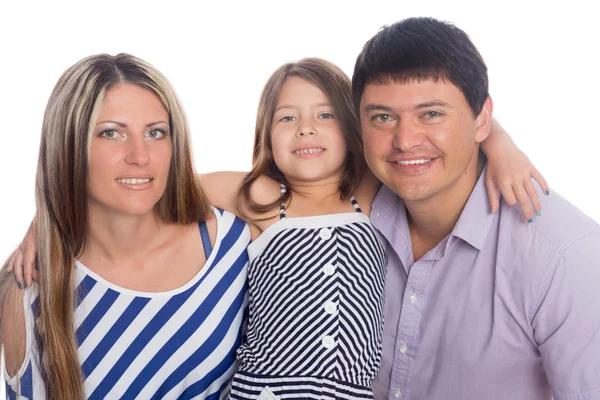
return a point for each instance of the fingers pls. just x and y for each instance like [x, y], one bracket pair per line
[493, 195]
[508, 194]
[9, 264]
[533, 196]
[535, 174]
[29, 263]
[17, 267]
[36, 275]
[524, 202]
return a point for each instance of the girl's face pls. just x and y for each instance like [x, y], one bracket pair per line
[306, 138]
[130, 152]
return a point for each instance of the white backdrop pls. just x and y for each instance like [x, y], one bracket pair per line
[542, 58]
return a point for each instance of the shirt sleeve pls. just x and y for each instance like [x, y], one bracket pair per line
[567, 322]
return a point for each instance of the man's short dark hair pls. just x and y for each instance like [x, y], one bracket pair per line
[421, 49]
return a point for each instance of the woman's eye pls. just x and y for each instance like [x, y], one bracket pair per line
[287, 118]
[156, 134]
[109, 133]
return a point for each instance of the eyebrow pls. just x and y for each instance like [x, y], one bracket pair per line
[314, 105]
[378, 107]
[432, 103]
[122, 125]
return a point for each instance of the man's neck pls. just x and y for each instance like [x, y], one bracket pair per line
[432, 219]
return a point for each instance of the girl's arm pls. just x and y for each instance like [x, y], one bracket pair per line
[222, 188]
[510, 172]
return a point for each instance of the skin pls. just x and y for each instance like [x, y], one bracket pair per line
[127, 244]
[428, 121]
[316, 188]
[304, 119]
[126, 239]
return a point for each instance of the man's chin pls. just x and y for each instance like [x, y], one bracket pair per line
[411, 189]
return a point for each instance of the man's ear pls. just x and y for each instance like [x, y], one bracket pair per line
[483, 122]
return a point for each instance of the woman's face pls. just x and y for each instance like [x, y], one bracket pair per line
[130, 152]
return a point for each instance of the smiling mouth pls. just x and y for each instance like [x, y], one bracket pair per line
[414, 162]
[312, 150]
[134, 181]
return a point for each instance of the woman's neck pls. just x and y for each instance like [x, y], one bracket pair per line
[119, 238]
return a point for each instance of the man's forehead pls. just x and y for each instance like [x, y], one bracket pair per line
[409, 93]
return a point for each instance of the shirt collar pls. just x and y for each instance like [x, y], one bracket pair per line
[389, 213]
[476, 219]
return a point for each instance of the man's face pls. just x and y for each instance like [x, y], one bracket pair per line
[420, 137]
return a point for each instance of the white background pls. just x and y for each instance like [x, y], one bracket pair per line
[542, 58]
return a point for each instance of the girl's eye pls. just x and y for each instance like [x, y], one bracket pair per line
[326, 116]
[287, 118]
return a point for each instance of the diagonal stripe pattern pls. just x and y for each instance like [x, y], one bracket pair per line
[315, 310]
[179, 344]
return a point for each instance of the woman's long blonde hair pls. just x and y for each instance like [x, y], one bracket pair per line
[62, 202]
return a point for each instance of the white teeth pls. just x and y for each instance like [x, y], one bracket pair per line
[133, 181]
[411, 162]
[308, 151]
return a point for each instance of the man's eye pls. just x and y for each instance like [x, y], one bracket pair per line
[381, 117]
[433, 114]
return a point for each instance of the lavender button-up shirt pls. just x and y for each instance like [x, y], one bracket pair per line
[500, 309]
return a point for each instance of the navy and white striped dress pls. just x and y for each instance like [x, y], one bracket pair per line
[178, 344]
[315, 310]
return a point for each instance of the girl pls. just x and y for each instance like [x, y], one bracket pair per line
[317, 266]
[119, 209]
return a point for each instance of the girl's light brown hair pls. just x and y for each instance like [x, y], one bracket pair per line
[62, 202]
[337, 87]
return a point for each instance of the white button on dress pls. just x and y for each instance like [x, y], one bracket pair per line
[329, 269]
[328, 341]
[330, 307]
[325, 234]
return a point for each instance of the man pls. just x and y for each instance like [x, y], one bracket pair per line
[478, 305]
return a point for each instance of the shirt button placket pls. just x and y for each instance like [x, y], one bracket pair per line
[410, 320]
[329, 306]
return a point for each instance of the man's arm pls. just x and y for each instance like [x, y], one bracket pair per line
[567, 322]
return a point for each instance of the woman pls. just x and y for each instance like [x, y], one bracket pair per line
[120, 209]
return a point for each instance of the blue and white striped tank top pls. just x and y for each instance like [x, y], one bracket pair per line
[315, 323]
[178, 344]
